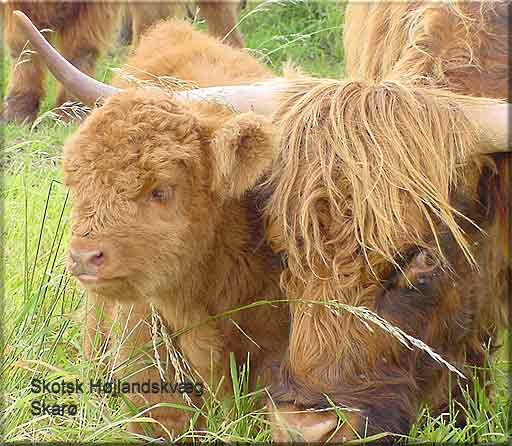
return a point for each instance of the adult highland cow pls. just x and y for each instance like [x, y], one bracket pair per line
[382, 196]
[380, 199]
[85, 30]
[164, 214]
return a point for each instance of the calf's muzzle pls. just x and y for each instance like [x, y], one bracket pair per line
[85, 259]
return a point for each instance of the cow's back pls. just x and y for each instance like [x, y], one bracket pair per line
[175, 50]
[462, 45]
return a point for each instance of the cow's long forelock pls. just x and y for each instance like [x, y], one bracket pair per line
[365, 171]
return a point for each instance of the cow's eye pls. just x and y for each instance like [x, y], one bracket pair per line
[421, 271]
[158, 194]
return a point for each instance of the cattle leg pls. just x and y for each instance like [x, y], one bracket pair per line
[26, 84]
[83, 40]
[126, 331]
[145, 14]
[221, 18]
[204, 350]
[125, 36]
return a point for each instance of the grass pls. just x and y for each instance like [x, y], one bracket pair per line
[43, 308]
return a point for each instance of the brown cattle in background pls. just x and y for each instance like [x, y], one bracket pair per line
[381, 200]
[84, 31]
[221, 18]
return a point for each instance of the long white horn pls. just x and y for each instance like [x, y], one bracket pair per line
[493, 122]
[261, 98]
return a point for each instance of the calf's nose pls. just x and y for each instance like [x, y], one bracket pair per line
[87, 258]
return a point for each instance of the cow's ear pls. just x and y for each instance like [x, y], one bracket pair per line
[243, 149]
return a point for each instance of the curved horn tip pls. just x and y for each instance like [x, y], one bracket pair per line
[20, 15]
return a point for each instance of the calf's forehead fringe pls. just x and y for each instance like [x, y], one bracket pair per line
[136, 137]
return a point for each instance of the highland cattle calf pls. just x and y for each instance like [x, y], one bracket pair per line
[165, 213]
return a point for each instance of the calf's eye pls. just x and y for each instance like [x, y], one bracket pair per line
[158, 195]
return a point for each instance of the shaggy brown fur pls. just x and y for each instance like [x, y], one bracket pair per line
[84, 30]
[221, 17]
[163, 190]
[379, 200]
[460, 45]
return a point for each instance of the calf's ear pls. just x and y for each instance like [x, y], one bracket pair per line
[243, 148]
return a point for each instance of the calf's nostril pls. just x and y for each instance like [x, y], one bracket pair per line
[97, 258]
[83, 257]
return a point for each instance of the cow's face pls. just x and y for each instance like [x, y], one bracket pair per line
[149, 181]
[363, 204]
[363, 368]
[453, 306]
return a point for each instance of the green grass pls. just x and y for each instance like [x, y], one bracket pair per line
[43, 308]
